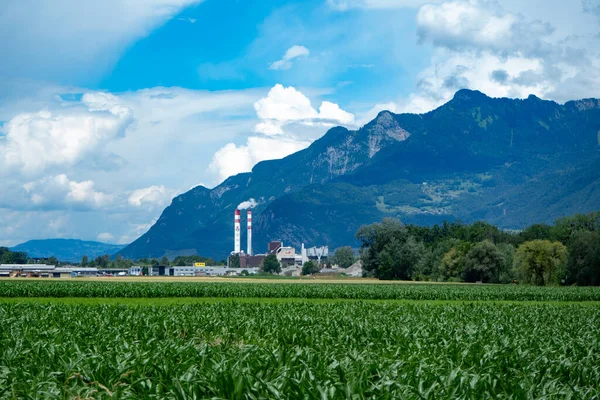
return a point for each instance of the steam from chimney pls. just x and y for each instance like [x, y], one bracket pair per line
[245, 205]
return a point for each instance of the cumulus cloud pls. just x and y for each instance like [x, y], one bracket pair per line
[288, 123]
[284, 106]
[151, 196]
[480, 45]
[479, 25]
[59, 192]
[231, 159]
[39, 140]
[291, 54]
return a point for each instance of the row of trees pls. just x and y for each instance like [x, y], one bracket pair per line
[565, 253]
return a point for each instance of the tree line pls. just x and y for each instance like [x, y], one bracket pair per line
[567, 252]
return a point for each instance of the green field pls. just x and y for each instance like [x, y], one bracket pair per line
[118, 340]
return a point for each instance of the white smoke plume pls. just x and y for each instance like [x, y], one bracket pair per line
[247, 204]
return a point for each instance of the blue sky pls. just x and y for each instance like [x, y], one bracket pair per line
[109, 109]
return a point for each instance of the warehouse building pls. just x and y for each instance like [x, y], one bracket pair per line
[44, 271]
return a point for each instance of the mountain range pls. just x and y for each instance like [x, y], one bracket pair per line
[66, 250]
[511, 162]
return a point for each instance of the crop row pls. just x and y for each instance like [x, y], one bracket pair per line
[287, 290]
[300, 351]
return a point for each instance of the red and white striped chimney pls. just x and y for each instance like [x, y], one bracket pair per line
[249, 232]
[236, 232]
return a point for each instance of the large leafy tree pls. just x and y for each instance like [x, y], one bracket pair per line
[541, 262]
[388, 250]
[583, 266]
[309, 268]
[271, 264]
[483, 263]
[343, 257]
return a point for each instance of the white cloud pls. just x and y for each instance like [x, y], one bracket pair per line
[58, 192]
[291, 53]
[231, 159]
[288, 124]
[479, 25]
[151, 196]
[39, 140]
[105, 237]
[480, 45]
[284, 106]
[76, 40]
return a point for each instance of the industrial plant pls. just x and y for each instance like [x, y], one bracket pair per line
[286, 255]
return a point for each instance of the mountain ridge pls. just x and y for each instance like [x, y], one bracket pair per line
[455, 162]
[66, 249]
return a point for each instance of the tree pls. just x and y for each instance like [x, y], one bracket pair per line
[397, 259]
[53, 261]
[145, 270]
[583, 266]
[309, 268]
[507, 274]
[154, 262]
[84, 261]
[344, 257]
[388, 250]
[164, 261]
[540, 262]
[483, 263]
[234, 261]
[271, 264]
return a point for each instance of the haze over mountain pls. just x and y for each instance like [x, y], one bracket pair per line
[66, 249]
[506, 161]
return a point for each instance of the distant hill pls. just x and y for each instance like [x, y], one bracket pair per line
[511, 162]
[66, 249]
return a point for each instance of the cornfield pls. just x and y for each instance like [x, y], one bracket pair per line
[301, 350]
[287, 290]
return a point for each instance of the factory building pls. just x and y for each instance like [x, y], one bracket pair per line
[286, 255]
[44, 271]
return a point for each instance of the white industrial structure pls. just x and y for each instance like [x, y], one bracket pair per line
[236, 232]
[249, 250]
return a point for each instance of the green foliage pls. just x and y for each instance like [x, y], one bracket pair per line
[164, 261]
[12, 257]
[343, 257]
[483, 263]
[234, 261]
[84, 261]
[145, 270]
[117, 289]
[541, 262]
[348, 350]
[388, 251]
[271, 264]
[310, 268]
[583, 267]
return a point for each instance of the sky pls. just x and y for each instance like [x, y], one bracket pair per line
[110, 109]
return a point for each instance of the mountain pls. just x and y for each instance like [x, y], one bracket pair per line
[510, 162]
[66, 249]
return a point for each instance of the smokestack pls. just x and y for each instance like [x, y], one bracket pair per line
[236, 232]
[249, 232]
